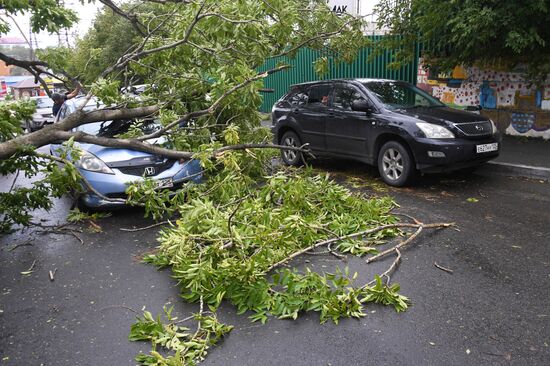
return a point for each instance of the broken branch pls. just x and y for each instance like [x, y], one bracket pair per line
[397, 247]
[390, 269]
[443, 268]
[419, 228]
[27, 242]
[146, 227]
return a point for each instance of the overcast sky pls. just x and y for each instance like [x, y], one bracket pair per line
[86, 14]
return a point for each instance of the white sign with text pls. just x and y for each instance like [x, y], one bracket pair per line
[340, 7]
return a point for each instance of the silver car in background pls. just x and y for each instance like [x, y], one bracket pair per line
[42, 116]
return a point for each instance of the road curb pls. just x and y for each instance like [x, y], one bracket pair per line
[527, 171]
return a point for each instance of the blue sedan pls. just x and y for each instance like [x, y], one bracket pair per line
[110, 170]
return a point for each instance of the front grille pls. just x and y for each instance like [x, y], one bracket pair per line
[149, 170]
[482, 128]
[116, 195]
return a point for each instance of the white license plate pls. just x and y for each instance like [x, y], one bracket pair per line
[165, 183]
[487, 147]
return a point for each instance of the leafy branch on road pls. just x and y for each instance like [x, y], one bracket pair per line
[189, 347]
[230, 241]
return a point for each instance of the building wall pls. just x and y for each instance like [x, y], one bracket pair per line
[4, 69]
[512, 102]
[511, 88]
[20, 93]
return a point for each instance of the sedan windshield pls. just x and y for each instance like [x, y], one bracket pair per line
[117, 127]
[399, 95]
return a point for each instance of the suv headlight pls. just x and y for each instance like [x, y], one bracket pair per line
[495, 129]
[435, 131]
[92, 163]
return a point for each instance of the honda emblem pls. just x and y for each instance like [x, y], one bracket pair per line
[150, 170]
[479, 127]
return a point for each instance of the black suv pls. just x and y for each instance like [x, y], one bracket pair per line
[388, 123]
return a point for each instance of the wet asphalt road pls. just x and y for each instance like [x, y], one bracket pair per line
[492, 310]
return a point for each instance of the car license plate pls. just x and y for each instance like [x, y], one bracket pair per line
[487, 147]
[165, 183]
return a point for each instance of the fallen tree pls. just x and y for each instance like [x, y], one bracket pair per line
[198, 60]
[230, 235]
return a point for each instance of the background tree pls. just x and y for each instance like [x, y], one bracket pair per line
[504, 33]
[104, 43]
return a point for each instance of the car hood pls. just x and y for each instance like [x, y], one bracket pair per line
[440, 115]
[115, 154]
[110, 154]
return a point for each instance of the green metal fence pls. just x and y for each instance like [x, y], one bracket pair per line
[302, 71]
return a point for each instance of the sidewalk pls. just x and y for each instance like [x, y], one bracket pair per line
[522, 157]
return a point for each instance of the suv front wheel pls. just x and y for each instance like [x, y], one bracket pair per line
[291, 157]
[395, 164]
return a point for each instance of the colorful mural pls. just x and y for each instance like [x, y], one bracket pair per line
[527, 124]
[508, 88]
[522, 109]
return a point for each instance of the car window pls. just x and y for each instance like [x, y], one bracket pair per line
[62, 112]
[317, 95]
[345, 96]
[395, 95]
[297, 97]
[44, 103]
[72, 105]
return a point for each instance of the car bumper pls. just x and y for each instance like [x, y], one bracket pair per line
[112, 187]
[458, 153]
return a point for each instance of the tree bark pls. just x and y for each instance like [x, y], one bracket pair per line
[59, 131]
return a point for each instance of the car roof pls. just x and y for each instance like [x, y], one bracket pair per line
[359, 80]
[77, 101]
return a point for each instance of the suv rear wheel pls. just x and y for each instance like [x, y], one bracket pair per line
[395, 164]
[291, 157]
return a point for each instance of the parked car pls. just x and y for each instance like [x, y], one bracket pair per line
[43, 114]
[71, 105]
[387, 123]
[136, 90]
[110, 170]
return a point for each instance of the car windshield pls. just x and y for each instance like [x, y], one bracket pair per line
[398, 95]
[117, 127]
[44, 103]
[90, 105]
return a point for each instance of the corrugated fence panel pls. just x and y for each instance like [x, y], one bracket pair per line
[302, 70]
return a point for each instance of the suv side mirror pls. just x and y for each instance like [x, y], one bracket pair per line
[474, 108]
[361, 105]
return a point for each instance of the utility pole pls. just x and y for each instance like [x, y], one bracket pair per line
[29, 41]
[31, 50]
[63, 35]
